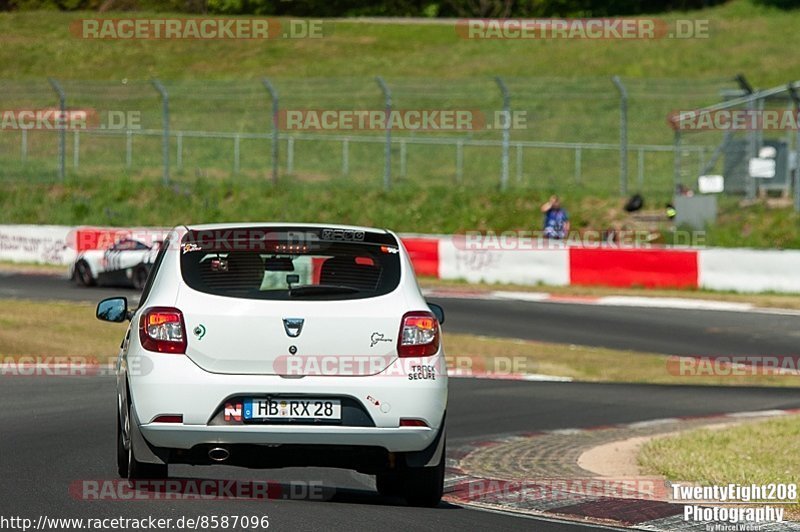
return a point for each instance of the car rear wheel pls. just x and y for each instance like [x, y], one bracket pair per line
[389, 484]
[424, 486]
[122, 453]
[83, 274]
[135, 469]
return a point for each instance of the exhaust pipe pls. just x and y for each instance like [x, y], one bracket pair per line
[219, 454]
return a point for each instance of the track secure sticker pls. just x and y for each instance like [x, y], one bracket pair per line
[191, 247]
[422, 373]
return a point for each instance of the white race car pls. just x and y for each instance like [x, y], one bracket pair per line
[280, 345]
[127, 262]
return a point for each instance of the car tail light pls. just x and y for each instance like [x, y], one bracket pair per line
[408, 422]
[169, 418]
[161, 329]
[419, 335]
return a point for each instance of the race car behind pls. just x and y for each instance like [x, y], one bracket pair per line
[127, 262]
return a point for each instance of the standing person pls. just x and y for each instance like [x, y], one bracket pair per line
[556, 220]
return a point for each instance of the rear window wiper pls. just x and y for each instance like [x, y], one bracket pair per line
[321, 289]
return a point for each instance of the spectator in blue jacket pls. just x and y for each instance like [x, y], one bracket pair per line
[556, 220]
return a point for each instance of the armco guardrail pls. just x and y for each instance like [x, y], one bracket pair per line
[445, 257]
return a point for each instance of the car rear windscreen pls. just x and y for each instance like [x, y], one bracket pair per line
[290, 263]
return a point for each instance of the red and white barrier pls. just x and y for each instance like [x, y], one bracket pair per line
[446, 257]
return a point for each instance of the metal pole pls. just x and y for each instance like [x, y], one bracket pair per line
[519, 163]
[24, 147]
[273, 93]
[506, 131]
[403, 161]
[62, 134]
[346, 157]
[460, 161]
[128, 149]
[623, 135]
[179, 138]
[290, 156]
[387, 157]
[641, 169]
[76, 149]
[236, 155]
[164, 128]
[752, 151]
[796, 181]
[676, 151]
[578, 164]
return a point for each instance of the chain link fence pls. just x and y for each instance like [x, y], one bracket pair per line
[604, 135]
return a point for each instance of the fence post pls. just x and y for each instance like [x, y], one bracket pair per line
[346, 157]
[273, 94]
[179, 148]
[128, 148]
[62, 134]
[641, 169]
[623, 135]
[236, 154]
[403, 161]
[76, 149]
[290, 156]
[752, 151]
[578, 164]
[24, 146]
[459, 161]
[519, 163]
[387, 158]
[796, 181]
[165, 127]
[506, 131]
[676, 163]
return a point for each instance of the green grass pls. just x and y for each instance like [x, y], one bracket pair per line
[753, 453]
[435, 208]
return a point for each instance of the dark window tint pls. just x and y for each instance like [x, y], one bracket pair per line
[291, 263]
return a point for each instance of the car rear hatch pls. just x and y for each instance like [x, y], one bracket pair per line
[291, 301]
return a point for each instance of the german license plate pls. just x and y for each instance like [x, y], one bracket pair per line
[293, 409]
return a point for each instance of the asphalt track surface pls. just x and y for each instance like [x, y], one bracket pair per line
[59, 430]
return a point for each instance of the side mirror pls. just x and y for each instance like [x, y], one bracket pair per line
[438, 311]
[113, 309]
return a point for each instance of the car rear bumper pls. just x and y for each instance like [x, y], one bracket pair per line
[167, 384]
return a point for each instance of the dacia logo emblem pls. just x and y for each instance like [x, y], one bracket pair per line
[293, 326]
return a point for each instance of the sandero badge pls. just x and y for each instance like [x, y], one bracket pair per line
[293, 326]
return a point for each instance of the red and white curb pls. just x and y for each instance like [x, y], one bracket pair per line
[518, 497]
[678, 303]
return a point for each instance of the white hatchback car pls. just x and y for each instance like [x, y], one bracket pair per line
[280, 345]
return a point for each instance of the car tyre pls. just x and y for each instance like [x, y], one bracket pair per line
[389, 484]
[122, 453]
[140, 470]
[83, 274]
[424, 486]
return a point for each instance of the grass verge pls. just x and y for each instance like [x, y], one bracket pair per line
[752, 453]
